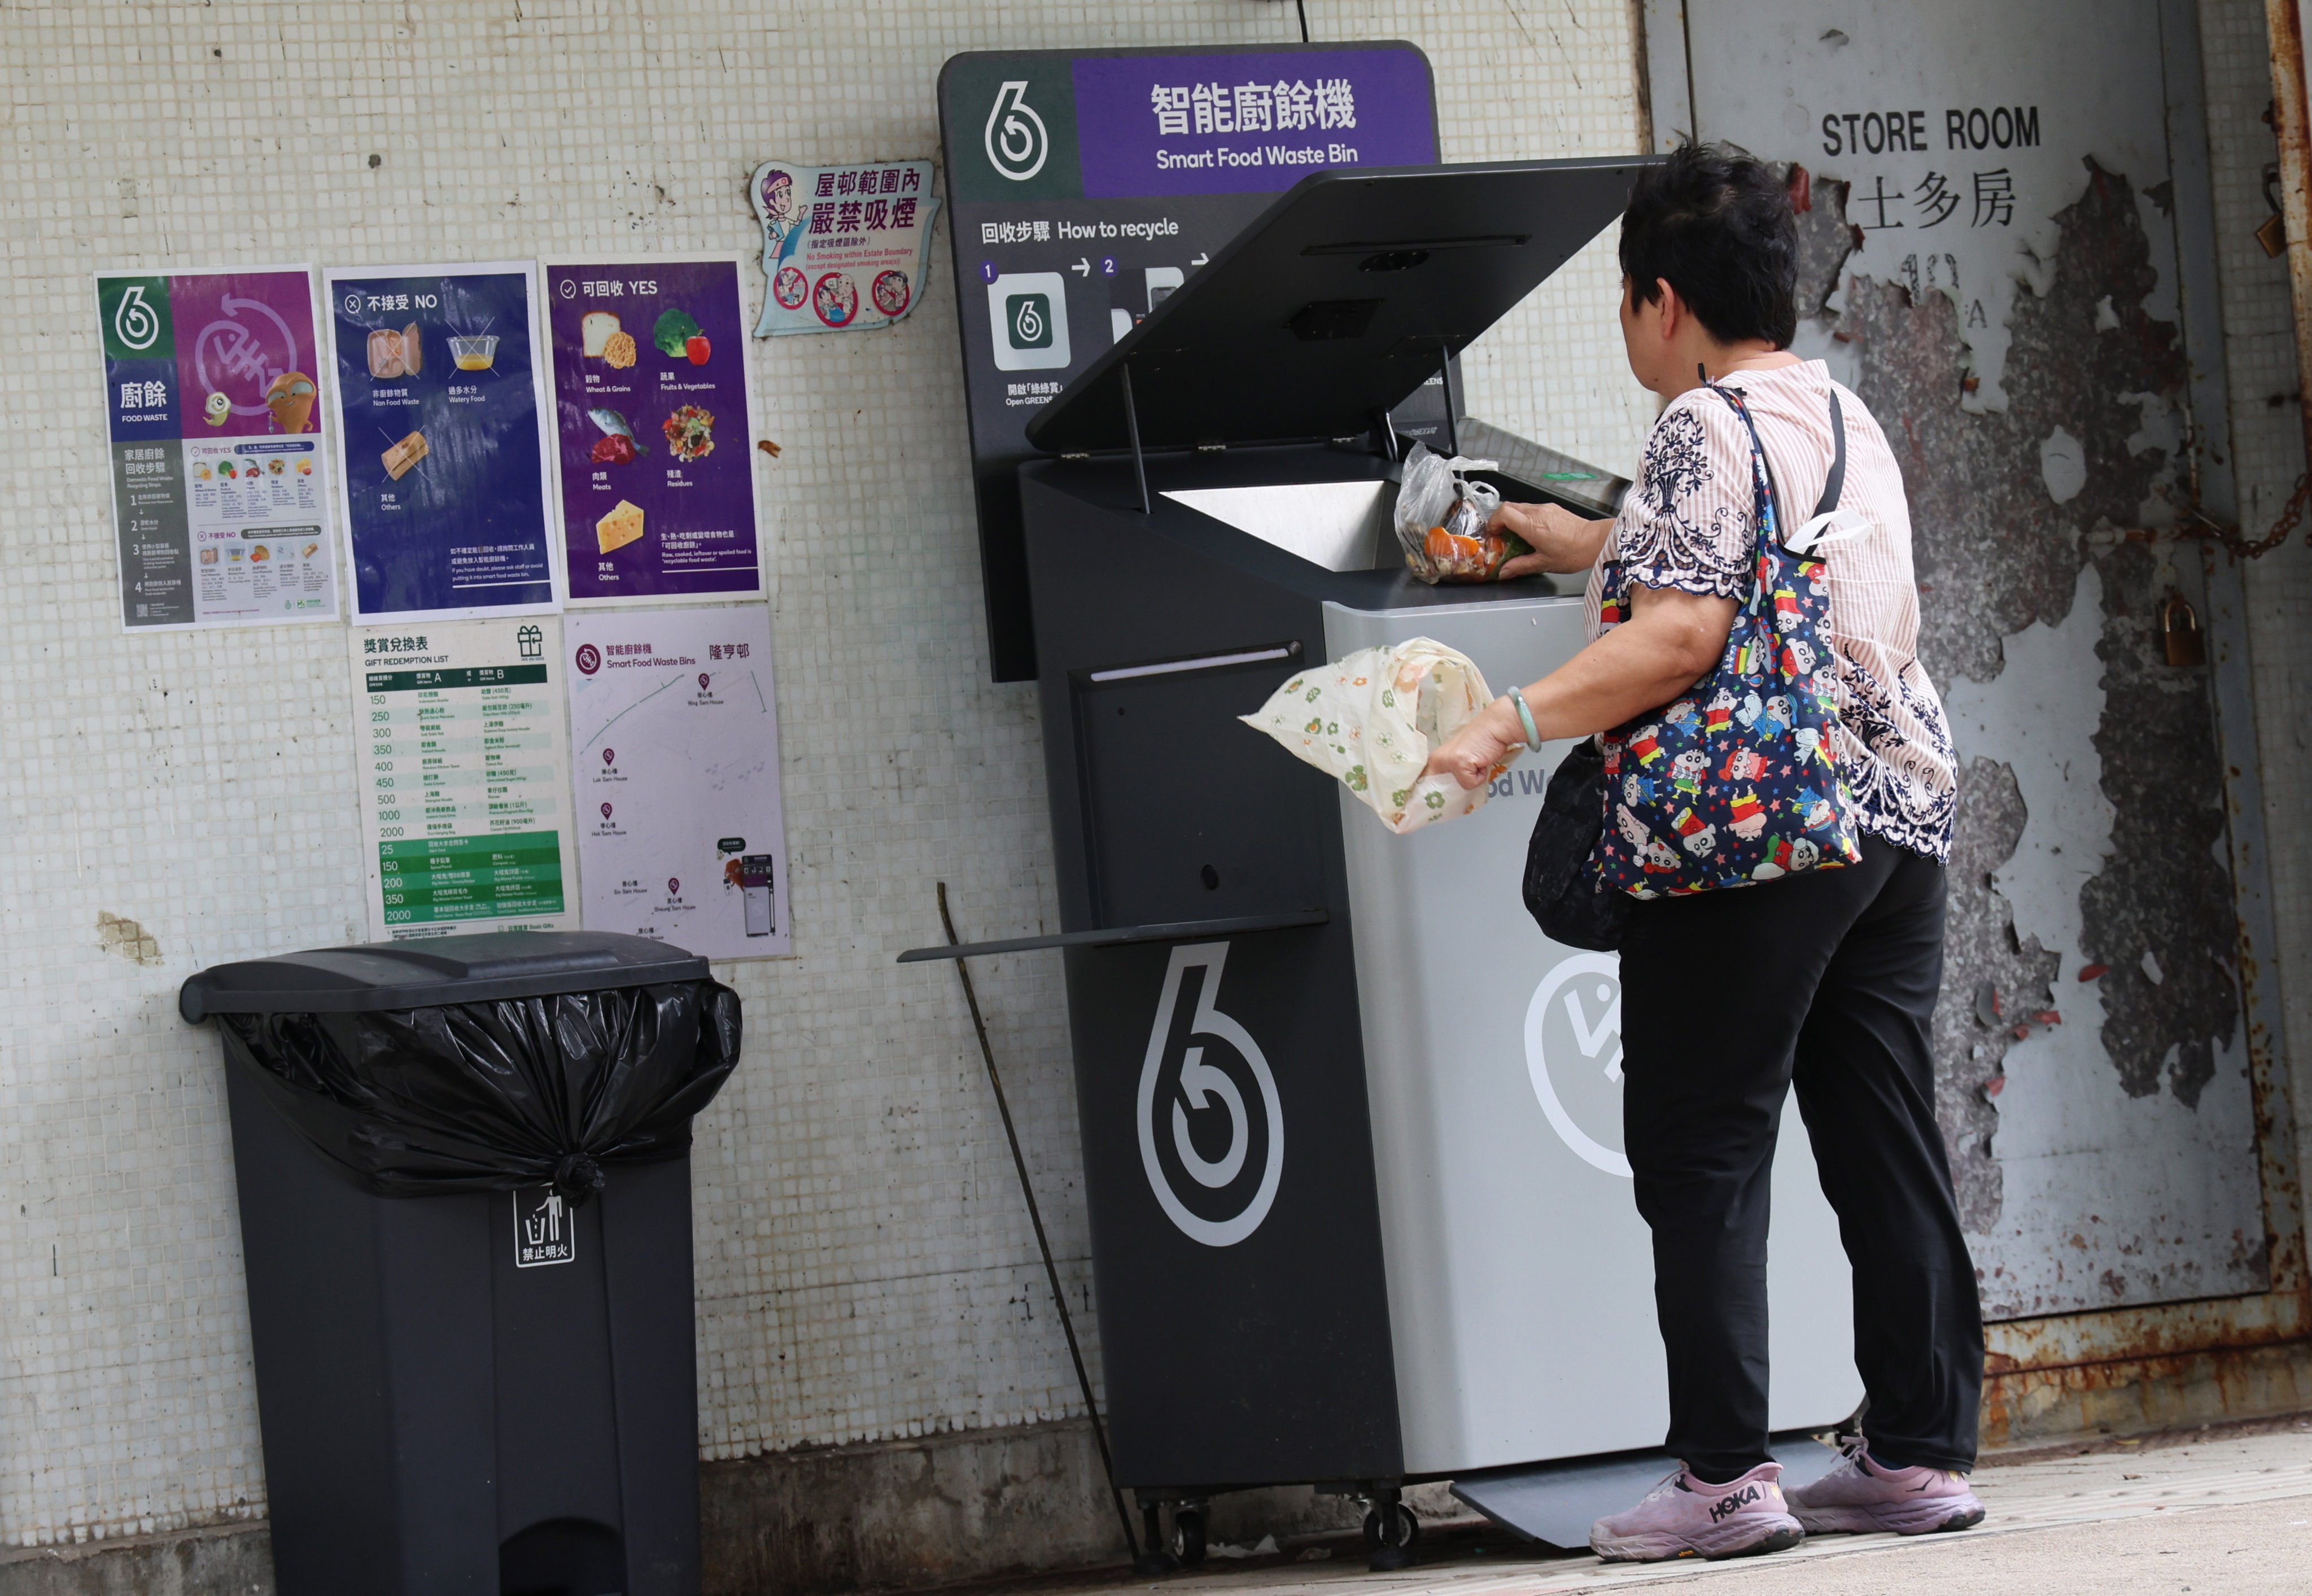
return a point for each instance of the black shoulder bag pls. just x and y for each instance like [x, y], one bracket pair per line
[1562, 892]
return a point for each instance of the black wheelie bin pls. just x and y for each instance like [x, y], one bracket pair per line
[464, 1175]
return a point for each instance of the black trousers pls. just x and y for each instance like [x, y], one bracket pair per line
[1825, 981]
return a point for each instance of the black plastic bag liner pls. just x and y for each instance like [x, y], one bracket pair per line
[480, 1063]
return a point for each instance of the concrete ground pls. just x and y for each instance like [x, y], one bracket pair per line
[2226, 1510]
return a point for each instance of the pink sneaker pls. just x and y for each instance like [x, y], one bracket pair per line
[1859, 1496]
[1686, 1517]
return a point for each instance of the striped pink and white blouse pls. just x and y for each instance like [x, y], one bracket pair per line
[1687, 524]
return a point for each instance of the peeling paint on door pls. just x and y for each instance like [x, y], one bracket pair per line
[2151, 1195]
[2092, 1072]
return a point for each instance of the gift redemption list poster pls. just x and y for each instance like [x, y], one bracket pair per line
[440, 393]
[674, 740]
[465, 780]
[218, 473]
[654, 429]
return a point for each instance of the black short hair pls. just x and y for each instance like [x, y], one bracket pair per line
[1714, 221]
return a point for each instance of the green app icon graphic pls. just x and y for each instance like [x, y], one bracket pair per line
[1027, 318]
[1027, 321]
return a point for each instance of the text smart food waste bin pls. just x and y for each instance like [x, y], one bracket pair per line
[464, 1175]
[1352, 1129]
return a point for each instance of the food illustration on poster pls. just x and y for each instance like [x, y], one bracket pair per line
[219, 476]
[465, 777]
[439, 394]
[652, 420]
[674, 739]
[844, 247]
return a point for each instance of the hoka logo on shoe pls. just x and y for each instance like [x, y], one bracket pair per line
[1726, 1507]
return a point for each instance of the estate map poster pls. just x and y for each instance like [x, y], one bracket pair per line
[653, 428]
[674, 736]
[465, 778]
[219, 479]
[440, 393]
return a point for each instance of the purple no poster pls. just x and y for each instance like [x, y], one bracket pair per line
[655, 440]
[1240, 123]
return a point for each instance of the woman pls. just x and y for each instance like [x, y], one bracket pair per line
[1824, 978]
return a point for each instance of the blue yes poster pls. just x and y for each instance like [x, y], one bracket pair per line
[440, 391]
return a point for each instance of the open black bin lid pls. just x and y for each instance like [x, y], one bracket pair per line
[1337, 302]
[481, 967]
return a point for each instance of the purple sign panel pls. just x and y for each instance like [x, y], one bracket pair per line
[239, 335]
[1244, 123]
[651, 417]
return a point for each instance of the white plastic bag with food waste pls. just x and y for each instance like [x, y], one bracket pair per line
[1441, 519]
[1372, 720]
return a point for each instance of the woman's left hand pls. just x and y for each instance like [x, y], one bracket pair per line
[1477, 749]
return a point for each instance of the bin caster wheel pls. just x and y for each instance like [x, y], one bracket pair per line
[1153, 1558]
[1390, 1531]
[1188, 1536]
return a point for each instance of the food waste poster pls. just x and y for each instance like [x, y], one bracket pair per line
[219, 477]
[465, 777]
[653, 428]
[674, 738]
[440, 392]
[1087, 186]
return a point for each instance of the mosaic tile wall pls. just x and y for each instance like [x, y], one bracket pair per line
[171, 802]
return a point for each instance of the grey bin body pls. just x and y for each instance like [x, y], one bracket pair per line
[438, 1416]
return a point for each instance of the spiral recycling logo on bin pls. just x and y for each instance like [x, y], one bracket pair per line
[1188, 1090]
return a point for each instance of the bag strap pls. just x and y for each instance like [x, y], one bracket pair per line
[1733, 397]
[1836, 482]
[1832, 485]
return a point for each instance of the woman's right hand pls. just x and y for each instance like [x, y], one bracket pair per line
[1473, 755]
[1560, 541]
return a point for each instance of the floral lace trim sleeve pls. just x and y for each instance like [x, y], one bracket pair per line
[1686, 522]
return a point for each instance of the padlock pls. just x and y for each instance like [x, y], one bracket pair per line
[2179, 631]
[2272, 236]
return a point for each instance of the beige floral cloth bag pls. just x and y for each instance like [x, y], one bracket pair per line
[1371, 719]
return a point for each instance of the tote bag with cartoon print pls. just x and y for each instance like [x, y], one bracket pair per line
[1736, 780]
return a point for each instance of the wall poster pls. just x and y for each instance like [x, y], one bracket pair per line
[654, 428]
[219, 479]
[465, 778]
[674, 737]
[442, 400]
[844, 247]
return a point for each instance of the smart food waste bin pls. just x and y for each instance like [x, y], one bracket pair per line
[464, 1175]
[1352, 1134]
